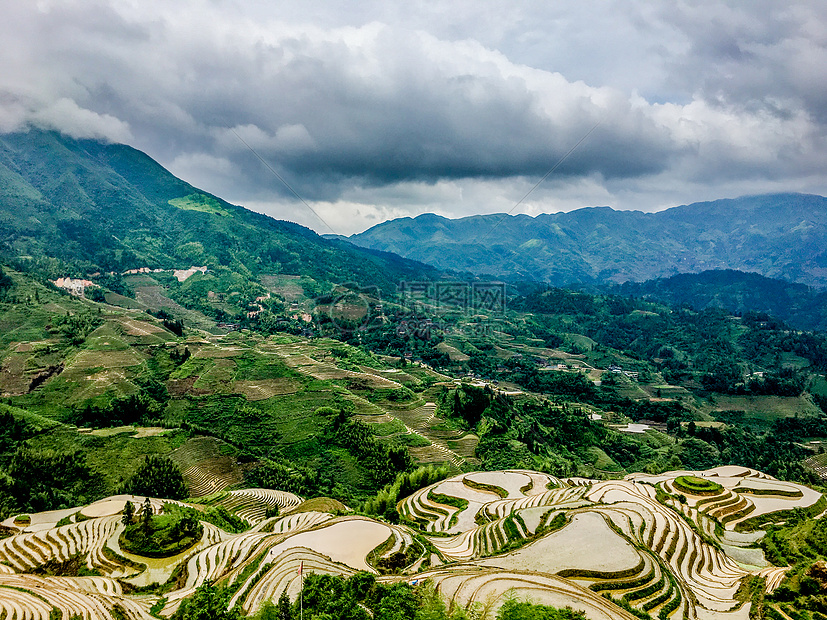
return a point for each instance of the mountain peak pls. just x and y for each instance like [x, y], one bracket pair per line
[112, 208]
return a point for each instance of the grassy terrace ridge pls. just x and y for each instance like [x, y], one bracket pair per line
[487, 488]
[581, 573]
[320, 504]
[697, 486]
[161, 536]
[778, 492]
[782, 515]
[460, 503]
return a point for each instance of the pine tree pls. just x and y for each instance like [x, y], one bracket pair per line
[285, 610]
[128, 513]
[146, 513]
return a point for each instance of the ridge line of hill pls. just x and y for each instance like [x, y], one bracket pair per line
[781, 235]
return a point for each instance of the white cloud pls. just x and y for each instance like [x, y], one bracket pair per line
[203, 170]
[13, 113]
[69, 118]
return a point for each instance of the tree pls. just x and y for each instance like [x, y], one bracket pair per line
[157, 477]
[361, 584]
[513, 609]
[284, 610]
[398, 603]
[128, 513]
[146, 513]
[187, 525]
[208, 603]
[268, 611]
[698, 454]
[49, 480]
[431, 605]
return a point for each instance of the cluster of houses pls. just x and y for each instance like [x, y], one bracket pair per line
[251, 314]
[78, 286]
[74, 286]
[554, 365]
[133, 272]
[632, 374]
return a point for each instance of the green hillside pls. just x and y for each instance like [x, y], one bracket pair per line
[554, 381]
[98, 387]
[77, 207]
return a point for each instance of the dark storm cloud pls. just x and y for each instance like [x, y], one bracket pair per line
[762, 54]
[426, 100]
[404, 106]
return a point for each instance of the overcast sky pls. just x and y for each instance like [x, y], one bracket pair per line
[371, 110]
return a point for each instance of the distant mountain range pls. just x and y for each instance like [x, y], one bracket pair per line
[109, 207]
[776, 235]
[70, 207]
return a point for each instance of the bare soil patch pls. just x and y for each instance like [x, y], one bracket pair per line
[179, 387]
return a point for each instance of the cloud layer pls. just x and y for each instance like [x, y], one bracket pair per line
[395, 109]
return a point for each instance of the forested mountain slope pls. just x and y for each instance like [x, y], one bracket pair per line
[109, 207]
[800, 306]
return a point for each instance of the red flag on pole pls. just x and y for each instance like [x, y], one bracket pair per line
[301, 567]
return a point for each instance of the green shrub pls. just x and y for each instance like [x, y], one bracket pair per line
[697, 486]
[513, 609]
[226, 520]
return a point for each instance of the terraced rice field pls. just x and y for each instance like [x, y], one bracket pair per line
[252, 504]
[262, 389]
[33, 598]
[468, 586]
[26, 551]
[206, 470]
[681, 570]
[489, 535]
[296, 356]
[744, 494]
[429, 440]
[818, 463]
